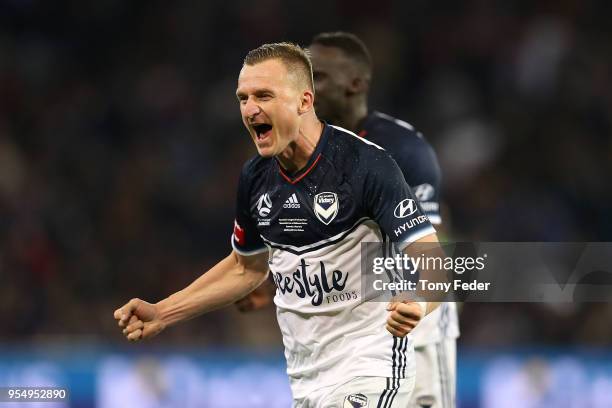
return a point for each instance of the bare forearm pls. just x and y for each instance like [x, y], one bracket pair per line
[222, 285]
[430, 246]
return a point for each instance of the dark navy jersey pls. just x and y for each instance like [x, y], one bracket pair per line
[346, 182]
[413, 154]
[312, 224]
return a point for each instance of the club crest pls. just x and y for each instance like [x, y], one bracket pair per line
[326, 207]
[355, 401]
[426, 401]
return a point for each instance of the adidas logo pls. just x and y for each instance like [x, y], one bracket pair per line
[292, 202]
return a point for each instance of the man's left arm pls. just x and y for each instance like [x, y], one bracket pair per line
[397, 211]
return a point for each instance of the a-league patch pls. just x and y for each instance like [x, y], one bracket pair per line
[355, 401]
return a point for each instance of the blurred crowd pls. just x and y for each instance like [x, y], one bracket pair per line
[121, 145]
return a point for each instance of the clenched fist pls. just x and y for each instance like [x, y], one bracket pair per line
[404, 317]
[139, 319]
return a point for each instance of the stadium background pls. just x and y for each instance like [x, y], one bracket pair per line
[120, 149]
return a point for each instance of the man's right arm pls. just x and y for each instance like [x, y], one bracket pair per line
[261, 297]
[231, 279]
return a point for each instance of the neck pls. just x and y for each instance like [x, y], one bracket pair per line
[354, 116]
[297, 154]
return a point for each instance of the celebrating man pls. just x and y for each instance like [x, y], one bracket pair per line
[342, 69]
[305, 204]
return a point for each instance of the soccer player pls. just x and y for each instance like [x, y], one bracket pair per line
[342, 70]
[304, 205]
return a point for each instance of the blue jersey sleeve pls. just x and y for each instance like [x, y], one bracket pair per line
[246, 240]
[392, 204]
[421, 170]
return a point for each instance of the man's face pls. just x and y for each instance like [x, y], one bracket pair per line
[332, 72]
[270, 101]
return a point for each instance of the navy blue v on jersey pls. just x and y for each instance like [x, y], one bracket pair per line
[347, 181]
[413, 154]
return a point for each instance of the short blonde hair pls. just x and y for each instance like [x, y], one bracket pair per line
[296, 59]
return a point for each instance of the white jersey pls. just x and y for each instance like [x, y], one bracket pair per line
[313, 223]
[344, 335]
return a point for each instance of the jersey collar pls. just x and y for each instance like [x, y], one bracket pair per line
[294, 178]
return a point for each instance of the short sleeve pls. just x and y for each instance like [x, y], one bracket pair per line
[392, 204]
[246, 240]
[421, 170]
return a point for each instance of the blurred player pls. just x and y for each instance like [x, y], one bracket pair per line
[342, 71]
[304, 205]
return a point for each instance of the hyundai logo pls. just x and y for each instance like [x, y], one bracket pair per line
[405, 208]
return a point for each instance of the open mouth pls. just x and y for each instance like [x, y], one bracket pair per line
[262, 130]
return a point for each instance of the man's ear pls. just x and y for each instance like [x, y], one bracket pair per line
[358, 85]
[306, 101]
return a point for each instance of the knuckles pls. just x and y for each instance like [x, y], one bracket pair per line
[409, 311]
